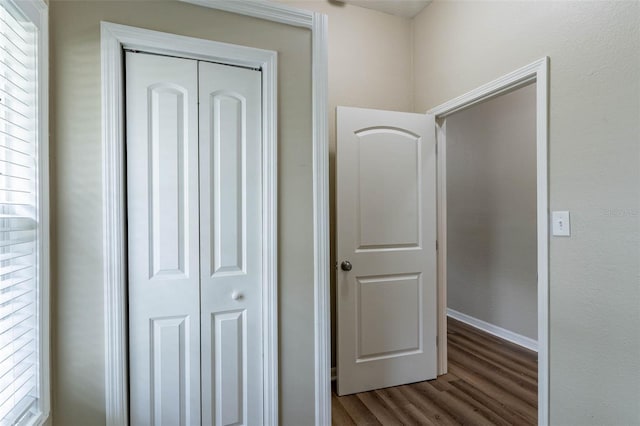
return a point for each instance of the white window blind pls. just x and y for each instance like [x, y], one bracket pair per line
[19, 260]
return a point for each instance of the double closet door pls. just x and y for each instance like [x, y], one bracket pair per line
[194, 242]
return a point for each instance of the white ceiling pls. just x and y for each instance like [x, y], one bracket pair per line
[404, 8]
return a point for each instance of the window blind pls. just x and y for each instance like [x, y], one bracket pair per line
[19, 334]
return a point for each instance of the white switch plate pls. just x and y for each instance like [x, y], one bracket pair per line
[561, 224]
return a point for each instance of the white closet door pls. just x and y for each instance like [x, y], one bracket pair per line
[231, 244]
[162, 192]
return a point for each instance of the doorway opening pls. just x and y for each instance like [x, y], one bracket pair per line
[531, 80]
[536, 72]
[492, 254]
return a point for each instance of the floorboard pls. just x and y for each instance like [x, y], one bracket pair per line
[490, 382]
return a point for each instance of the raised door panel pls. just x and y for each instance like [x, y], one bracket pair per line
[163, 267]
[168, 182]
[170, 371]
[231, 244]
[228, 182]
[389, 312]
[230, 357]
[389, 189]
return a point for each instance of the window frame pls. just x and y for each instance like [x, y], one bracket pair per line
[37, 12]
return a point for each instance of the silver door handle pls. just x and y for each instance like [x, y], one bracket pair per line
[346, 266]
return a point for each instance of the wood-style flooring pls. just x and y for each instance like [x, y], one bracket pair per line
[490, 382]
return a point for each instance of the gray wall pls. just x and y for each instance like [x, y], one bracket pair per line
[594, 160]
[77, 285]
[491, 212]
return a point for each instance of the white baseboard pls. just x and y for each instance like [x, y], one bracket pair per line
[500, 332]
[334, 374]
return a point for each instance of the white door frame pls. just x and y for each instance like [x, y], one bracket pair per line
[115, 38]
[537, 72]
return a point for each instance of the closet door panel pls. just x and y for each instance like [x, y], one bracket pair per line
[163, 240]
[231, 244]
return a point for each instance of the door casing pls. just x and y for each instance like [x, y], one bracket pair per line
[114, 39]
[536, 72]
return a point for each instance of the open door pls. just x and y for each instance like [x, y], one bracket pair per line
[386, 249]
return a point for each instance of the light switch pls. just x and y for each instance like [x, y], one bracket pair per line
[561, 224]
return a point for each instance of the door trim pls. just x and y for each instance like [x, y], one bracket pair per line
[537, 72]
[115, 38]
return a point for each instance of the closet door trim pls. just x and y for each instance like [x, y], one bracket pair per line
[115, 39]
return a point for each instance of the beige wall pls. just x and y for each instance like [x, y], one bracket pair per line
[369, 67]
[594, 156]
[78, 353]
[491, 212]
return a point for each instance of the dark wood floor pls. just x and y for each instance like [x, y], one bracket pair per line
[490, 382]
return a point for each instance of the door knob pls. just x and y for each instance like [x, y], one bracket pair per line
[236, 295]
[346, 266]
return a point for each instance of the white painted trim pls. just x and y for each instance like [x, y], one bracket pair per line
[500, 332]
[537, 72]
[506, 83]
[261, 9]
[37, 12]
[542, 154]
[44, 214]
[317, 23]
[115, 38]
[270, 238]
[322, 299]
[113, 229]
[441, 205]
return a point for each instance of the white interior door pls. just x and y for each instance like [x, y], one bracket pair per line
[164, 269]
[231, 244]
[194, 187]
[386, 249]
